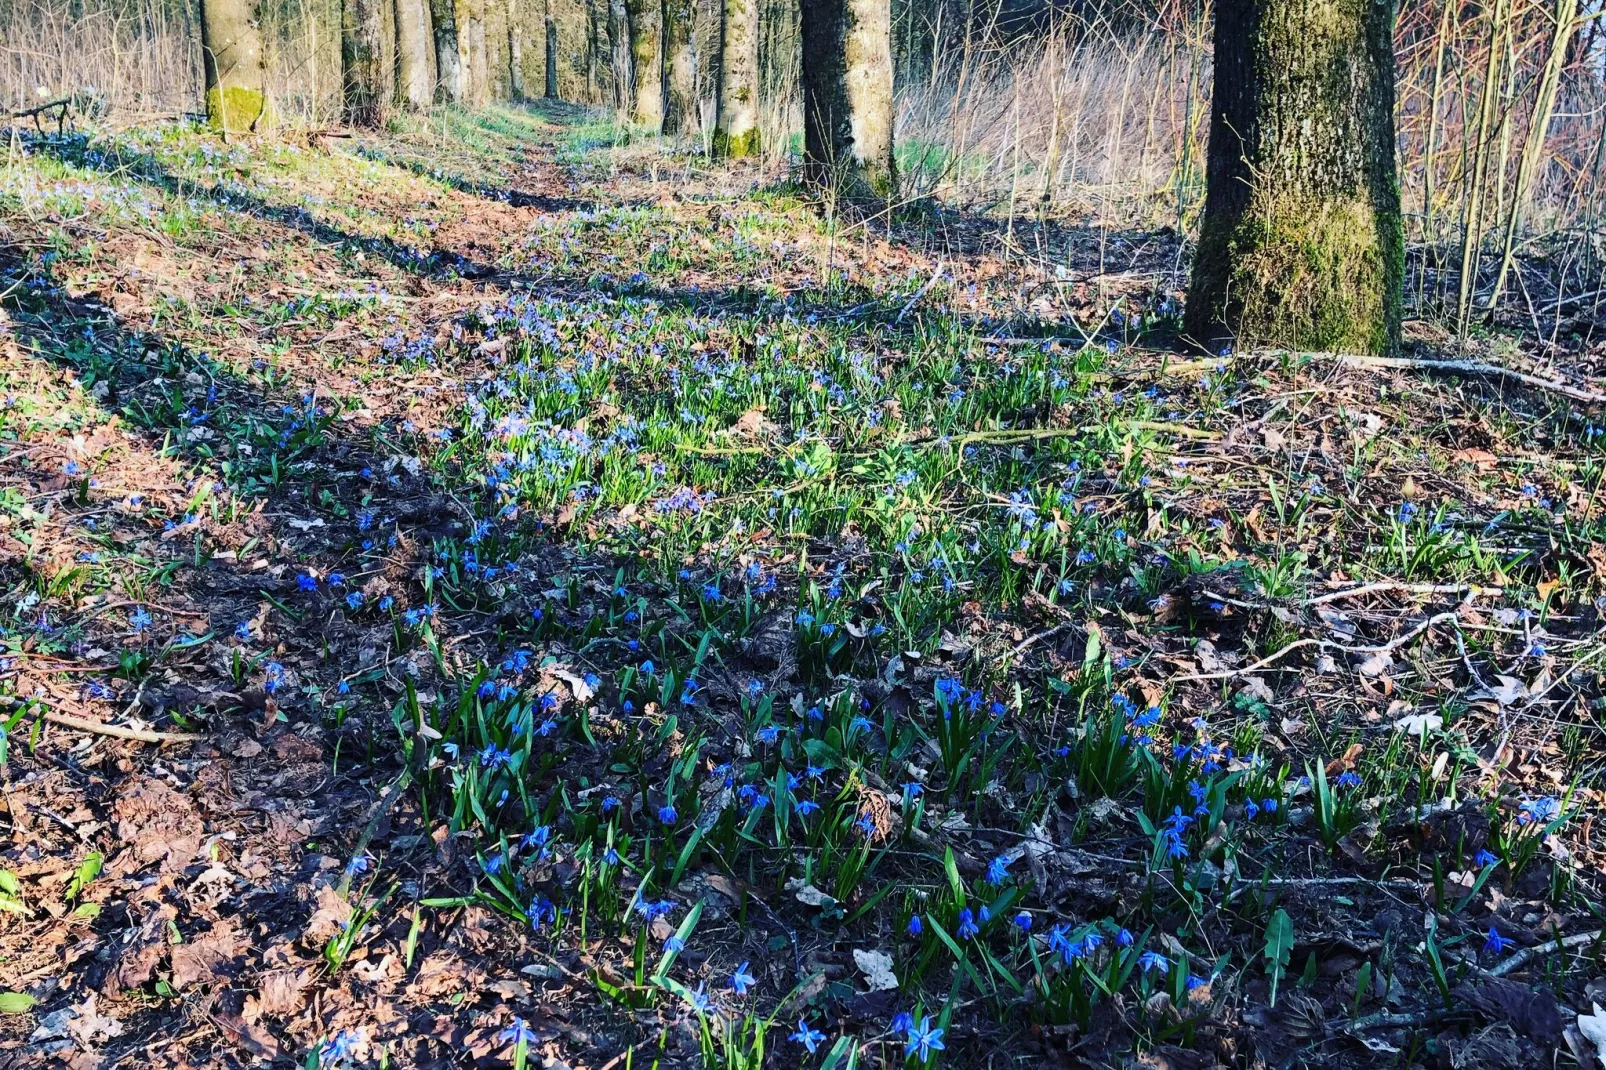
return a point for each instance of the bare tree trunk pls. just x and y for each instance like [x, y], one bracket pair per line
[1302, 242]
[551, 53]
[231, 54]
[680, 88]
[736, 117]
[624, 72]
[647, 61]
[593, 47]
[847, 95]
[515, 50]
[415, 80]
[448, 62]
[366, 33]
[471, 47]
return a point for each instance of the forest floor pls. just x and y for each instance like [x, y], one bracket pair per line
[485, 594]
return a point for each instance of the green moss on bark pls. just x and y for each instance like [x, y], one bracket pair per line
[735, 146]
[236, 111]
[1307, 273]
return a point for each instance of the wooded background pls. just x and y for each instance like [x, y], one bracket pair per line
[1097, 106]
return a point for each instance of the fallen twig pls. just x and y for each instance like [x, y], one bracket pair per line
[1461, 367]
[1383, 648]
[142, 735]
[1527, 955]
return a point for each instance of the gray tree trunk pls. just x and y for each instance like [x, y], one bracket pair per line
[624, 68]
[847, 95]
[472, 52]
[448, 63]
[515, 50]
[1302, 243]
[551, 55]
[680, 73]
[415, 76]
[366, 35]
[736, 118]
[647, 61]
[231, 54]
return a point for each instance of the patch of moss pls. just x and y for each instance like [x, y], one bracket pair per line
[1307, 273]
[734, 146]
[236, 111]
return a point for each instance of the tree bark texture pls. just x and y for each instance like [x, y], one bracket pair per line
[448, 63]
[231, 53]
[847, 95]
[367, 63]
[621, 59]
[415, 75]
[551, 56]
[472, 51]
[680, 72]
[736, 119]
[646, 19]
[515, 50]
[1302, 242]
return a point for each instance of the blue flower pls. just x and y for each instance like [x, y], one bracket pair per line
[1023, 921]
[902, 1022]
[1124, 937]
[967, 924]
[1153, 960]
[1497, 944]
[307, 582]
[1347, 779]
[809, 1038]
[517, 1033]
[342, 1047]
[666, 814]
[997, 871]
[139, 620]
[914, 927]
[923, 1040]
[1538, 810]
[699, 999]
[1484, 858]
[242, 631]
[741, 980]
[674, 944]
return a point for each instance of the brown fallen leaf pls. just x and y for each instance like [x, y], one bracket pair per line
[206, 957]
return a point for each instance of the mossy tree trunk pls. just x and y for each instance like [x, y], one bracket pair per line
[847, 95]
[646, 19]
[367, 63]
[680, 75]
[415, 75]
[736, 119]
[1302, 242]
[620, 58]
[448, 62]
[231, 53]
[551, 26]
